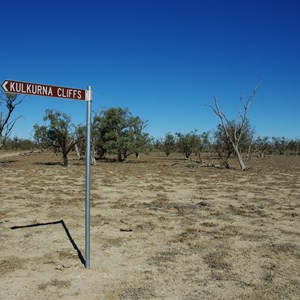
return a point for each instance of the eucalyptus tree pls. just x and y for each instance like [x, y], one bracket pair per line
[205, 141]
[205, 144]
[295, 144]
[281, 145]
[117, 131]
[168, 143]
[142, 142]
[19, 144]
[59, 133]
[188, 143]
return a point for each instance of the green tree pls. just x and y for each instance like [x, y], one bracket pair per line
[19, 144]
[59, 133]
[168, 144]
[119, 132]
[99, 130]
[158, 144]
[294, 146]
[188, 143]
[281, 145]
[205, 143]
[142, 141]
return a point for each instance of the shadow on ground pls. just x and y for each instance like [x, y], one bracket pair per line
[80, 256]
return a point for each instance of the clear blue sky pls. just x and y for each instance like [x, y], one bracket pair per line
[163, 59]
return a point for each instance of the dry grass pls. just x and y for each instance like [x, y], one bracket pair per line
[159, 230]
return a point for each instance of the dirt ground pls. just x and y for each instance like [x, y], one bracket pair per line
[160, 229]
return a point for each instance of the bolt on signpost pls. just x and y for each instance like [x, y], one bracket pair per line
[36, 89]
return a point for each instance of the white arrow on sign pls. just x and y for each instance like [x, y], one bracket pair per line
[4, 85]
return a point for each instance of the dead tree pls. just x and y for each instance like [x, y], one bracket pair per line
[234, 131]
[6, 122]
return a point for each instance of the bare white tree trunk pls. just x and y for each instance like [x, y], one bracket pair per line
[239, 157]
[10, 101]
[77, 152]
[249, 152]
[93, 156]
[238, 128]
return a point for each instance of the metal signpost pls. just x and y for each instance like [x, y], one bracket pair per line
[36, 89]
[87, 177]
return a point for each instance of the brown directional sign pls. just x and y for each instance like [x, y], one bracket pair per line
[37, 89]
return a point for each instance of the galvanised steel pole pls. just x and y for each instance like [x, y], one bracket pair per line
[87, 178]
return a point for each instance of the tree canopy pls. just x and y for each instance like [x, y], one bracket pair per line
[59, 133]
[117, 131]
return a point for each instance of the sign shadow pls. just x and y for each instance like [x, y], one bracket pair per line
[80, 256]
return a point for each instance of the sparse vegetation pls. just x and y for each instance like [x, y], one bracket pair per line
[115, 131]
[168, 230]
[8, 103]
[19, 144]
